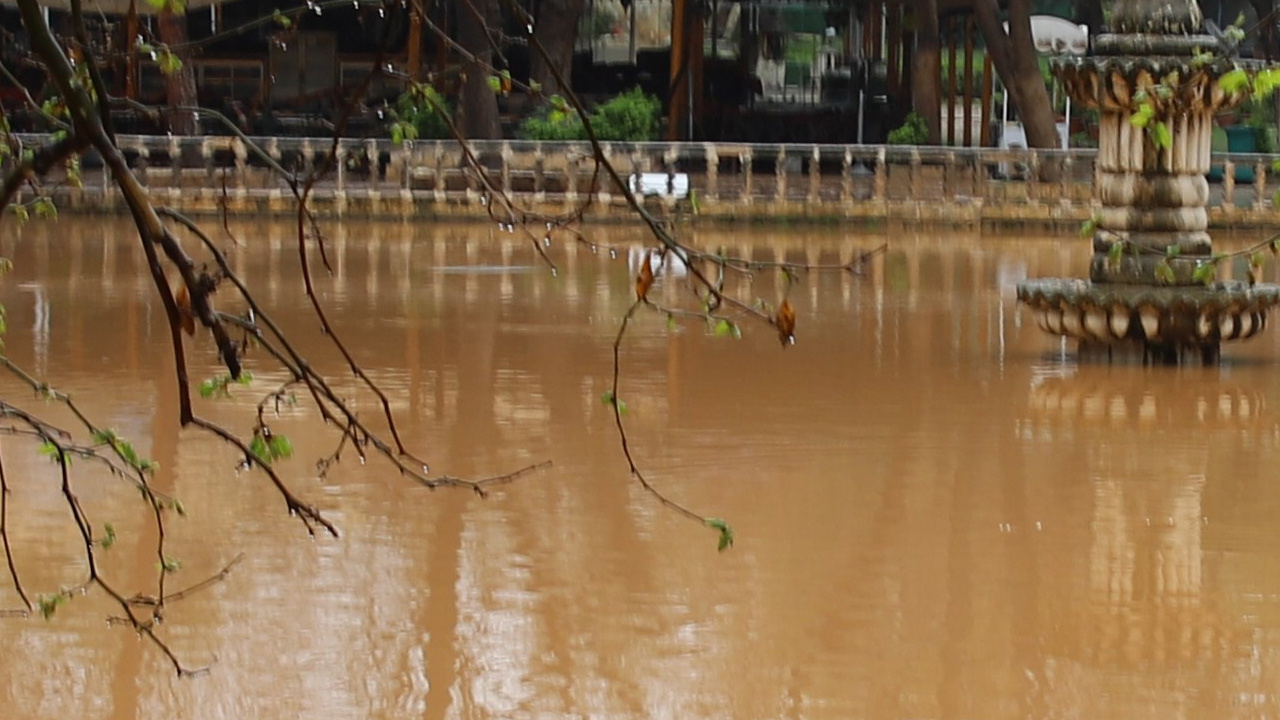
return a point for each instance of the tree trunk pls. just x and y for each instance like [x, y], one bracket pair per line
[1089, 12]
[1015, 60]
[478, 103]
[556, 28]
[1266, 43]
[181, 85]
[926, 88]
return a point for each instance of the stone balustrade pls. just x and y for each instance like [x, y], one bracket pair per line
[729, 181]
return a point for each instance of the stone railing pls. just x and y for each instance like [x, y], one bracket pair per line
[376, 178]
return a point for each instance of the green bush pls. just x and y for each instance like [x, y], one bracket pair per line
[914, 131]
[558, 122]
[416, 117]
[629, 117]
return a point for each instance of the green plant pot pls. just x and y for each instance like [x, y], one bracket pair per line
[1235, 139]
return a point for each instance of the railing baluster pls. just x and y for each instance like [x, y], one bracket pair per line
[846, 176]
[373, 166]
[917, 175]
[815, 176]
[1033, 175]
[505, 155]
[780, 175]
[712, 158]
[1260, 199]
[539, 174]
[880, 191]
[1228, 185]
[175, 167]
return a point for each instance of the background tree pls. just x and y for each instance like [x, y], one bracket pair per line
[1014, 56]
[478, 22]
[180, 73]
[926, 85]
[557, 31]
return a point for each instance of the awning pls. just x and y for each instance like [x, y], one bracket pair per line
[114, 7]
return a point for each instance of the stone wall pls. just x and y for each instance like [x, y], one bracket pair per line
[726, 181]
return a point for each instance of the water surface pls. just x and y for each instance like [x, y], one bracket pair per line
[939, 514]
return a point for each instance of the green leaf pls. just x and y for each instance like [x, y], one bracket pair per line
[220, 385]
[1089, 227]
[1163, 135]
[172, 564]
[608, 399]
[168, 63]
[179, 508]
[1115, 254]
[280, 447]
[1257, 262]
[495, 83]
[281, 19]
[1234, 81]
[1205, 272]
[1173, 251]
[20, 211]
[49, 450]
[49, 604]
[671, 319]
[1164, 272]
[73, 172]
[535, 87]
[724, 328]
[1266, 82]
[45, 209]
[726, 532]
[258, 448]
[108, 537]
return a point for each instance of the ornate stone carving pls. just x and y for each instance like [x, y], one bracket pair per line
[1155, 85]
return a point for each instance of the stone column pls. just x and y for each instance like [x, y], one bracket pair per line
[1151, 173]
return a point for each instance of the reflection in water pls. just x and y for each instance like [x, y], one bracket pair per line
[939, 514]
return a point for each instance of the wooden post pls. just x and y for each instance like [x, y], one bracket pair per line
[985, 132]
[968, 81]
[131, 52]
[894, 39]
[678, 79]
[951, 81]
[414, 61]
[442, 48]
[876, 29]
[694, 50]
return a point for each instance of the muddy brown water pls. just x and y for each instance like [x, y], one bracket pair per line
[939, 514]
